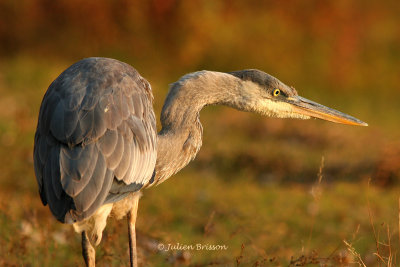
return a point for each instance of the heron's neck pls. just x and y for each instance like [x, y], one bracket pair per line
[181, 135]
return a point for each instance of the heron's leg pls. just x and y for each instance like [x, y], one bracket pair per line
[88, 252]
[132, 232]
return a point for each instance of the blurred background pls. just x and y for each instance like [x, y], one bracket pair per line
[276, 192]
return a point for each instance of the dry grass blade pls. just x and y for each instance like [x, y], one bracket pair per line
[351, 249]
[384, 251]
[371, 221]
[321, 167]
[240, 257]
[209, 225]
[316, 192]
[390, 257]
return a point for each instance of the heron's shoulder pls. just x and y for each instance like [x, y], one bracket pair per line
[100, 75]
[98, 67]
[91, 96]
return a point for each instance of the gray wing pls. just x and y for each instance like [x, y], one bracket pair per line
[96, 138]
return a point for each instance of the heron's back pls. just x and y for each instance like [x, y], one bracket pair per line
[95, 140]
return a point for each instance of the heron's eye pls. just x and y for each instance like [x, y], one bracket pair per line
[276, 92]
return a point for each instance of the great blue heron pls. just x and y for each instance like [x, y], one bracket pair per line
[96, 144]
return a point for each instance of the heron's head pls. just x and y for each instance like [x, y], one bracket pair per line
[267, 95]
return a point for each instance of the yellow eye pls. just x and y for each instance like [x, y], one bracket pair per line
[276, 92]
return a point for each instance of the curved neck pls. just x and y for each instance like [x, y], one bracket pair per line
[181, 135]
[194, 91]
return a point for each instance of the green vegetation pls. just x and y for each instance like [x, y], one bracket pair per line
[254, 185]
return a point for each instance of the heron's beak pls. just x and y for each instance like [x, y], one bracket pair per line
[307, 107]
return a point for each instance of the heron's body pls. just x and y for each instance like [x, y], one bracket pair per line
[96, 145]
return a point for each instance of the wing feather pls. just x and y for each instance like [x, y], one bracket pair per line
[96, 138]
[57, 121]
[55, 173]
[77, 166]
[108, 142]
[90, 192]
[99, 125]
[114, 159]
[86, 123]
[125, 161]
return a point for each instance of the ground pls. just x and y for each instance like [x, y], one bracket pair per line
[262, 192]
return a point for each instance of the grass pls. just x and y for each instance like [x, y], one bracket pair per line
[262, 192]
[275, 225]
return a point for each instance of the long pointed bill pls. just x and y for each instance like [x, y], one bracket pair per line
[307, 107]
